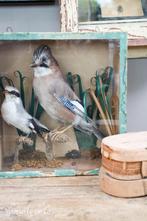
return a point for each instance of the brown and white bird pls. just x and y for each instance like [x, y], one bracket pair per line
[55, 95]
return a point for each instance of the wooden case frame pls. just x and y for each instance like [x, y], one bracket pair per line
[122, 39]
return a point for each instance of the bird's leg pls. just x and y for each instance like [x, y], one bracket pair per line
[17, 148]
[19, 141]
[57, 134]
[25, 139]
[49, 147]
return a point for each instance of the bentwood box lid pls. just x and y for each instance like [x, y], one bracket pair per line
[128, 147]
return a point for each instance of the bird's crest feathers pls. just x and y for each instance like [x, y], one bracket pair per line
[42, 50]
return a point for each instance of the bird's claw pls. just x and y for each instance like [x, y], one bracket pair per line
[24, 139]
[58, 137]
[45, 137]
[62, 138]
[49, 155]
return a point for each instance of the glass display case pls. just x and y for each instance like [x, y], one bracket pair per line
[110, 10]
[94, 68]
[106, 16]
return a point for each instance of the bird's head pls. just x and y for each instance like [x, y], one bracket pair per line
[11, 92]
[41, 57]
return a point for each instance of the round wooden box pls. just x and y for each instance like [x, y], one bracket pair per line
[124, 164]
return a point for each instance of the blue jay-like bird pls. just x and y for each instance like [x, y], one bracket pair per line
[14, 114]
[55, 95]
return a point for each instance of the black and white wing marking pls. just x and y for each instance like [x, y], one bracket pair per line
[73, 105]
[37, 127]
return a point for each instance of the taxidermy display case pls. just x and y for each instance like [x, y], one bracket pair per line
[94, 68]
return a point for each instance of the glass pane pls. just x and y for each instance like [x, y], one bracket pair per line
[91, 68]
[101, 10]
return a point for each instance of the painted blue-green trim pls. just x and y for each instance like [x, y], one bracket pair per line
[14, 174]
[59, 36]
[123, 85]
[65, 172]
[56, 172]
[92, 172]
[122, 39]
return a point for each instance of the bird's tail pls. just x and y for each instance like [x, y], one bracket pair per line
[82, 122]
[38, 127]
[89, 128]
[97, 133]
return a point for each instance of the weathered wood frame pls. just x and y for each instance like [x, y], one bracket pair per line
[6, 2]
[136, 28]
[122, 40]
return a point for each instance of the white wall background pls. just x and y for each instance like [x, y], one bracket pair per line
[41, 18]
[137, 94]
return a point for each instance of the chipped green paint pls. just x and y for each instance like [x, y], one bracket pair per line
[56, 172]
[92, 172]
[122, 39]
[60, 36]
[65, 172]
[15, 174]
[123, 85]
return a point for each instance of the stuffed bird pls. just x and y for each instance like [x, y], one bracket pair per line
[14, 114]
[55, 95]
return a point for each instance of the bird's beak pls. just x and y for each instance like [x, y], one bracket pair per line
[33, 65]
